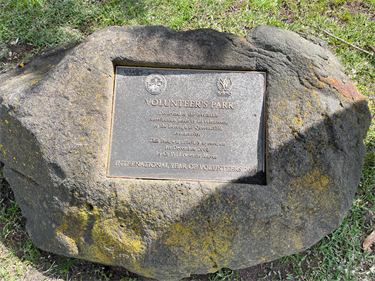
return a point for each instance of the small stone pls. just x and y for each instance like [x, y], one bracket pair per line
[369, 219]
[14, 42]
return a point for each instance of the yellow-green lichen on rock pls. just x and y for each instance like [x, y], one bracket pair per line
[55, 130]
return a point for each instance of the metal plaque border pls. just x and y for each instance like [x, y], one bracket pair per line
[184, 69]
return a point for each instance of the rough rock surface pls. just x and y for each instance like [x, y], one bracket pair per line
[55, 120]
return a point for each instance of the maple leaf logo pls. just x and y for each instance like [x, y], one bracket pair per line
[225, 83]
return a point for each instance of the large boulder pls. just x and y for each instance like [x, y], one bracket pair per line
[55, 131]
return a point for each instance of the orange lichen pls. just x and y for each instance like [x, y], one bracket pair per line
[243, 38]
[348, 90]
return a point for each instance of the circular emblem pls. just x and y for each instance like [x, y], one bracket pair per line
[155, 84]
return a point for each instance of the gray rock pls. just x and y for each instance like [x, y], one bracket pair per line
[55, 120]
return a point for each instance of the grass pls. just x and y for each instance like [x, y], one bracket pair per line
[46, 23]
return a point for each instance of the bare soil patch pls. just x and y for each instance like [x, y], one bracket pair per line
[14, 52]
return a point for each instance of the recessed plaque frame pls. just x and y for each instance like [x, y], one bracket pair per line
[187, 124]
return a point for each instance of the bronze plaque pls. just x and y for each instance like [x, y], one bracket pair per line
[187, 124]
